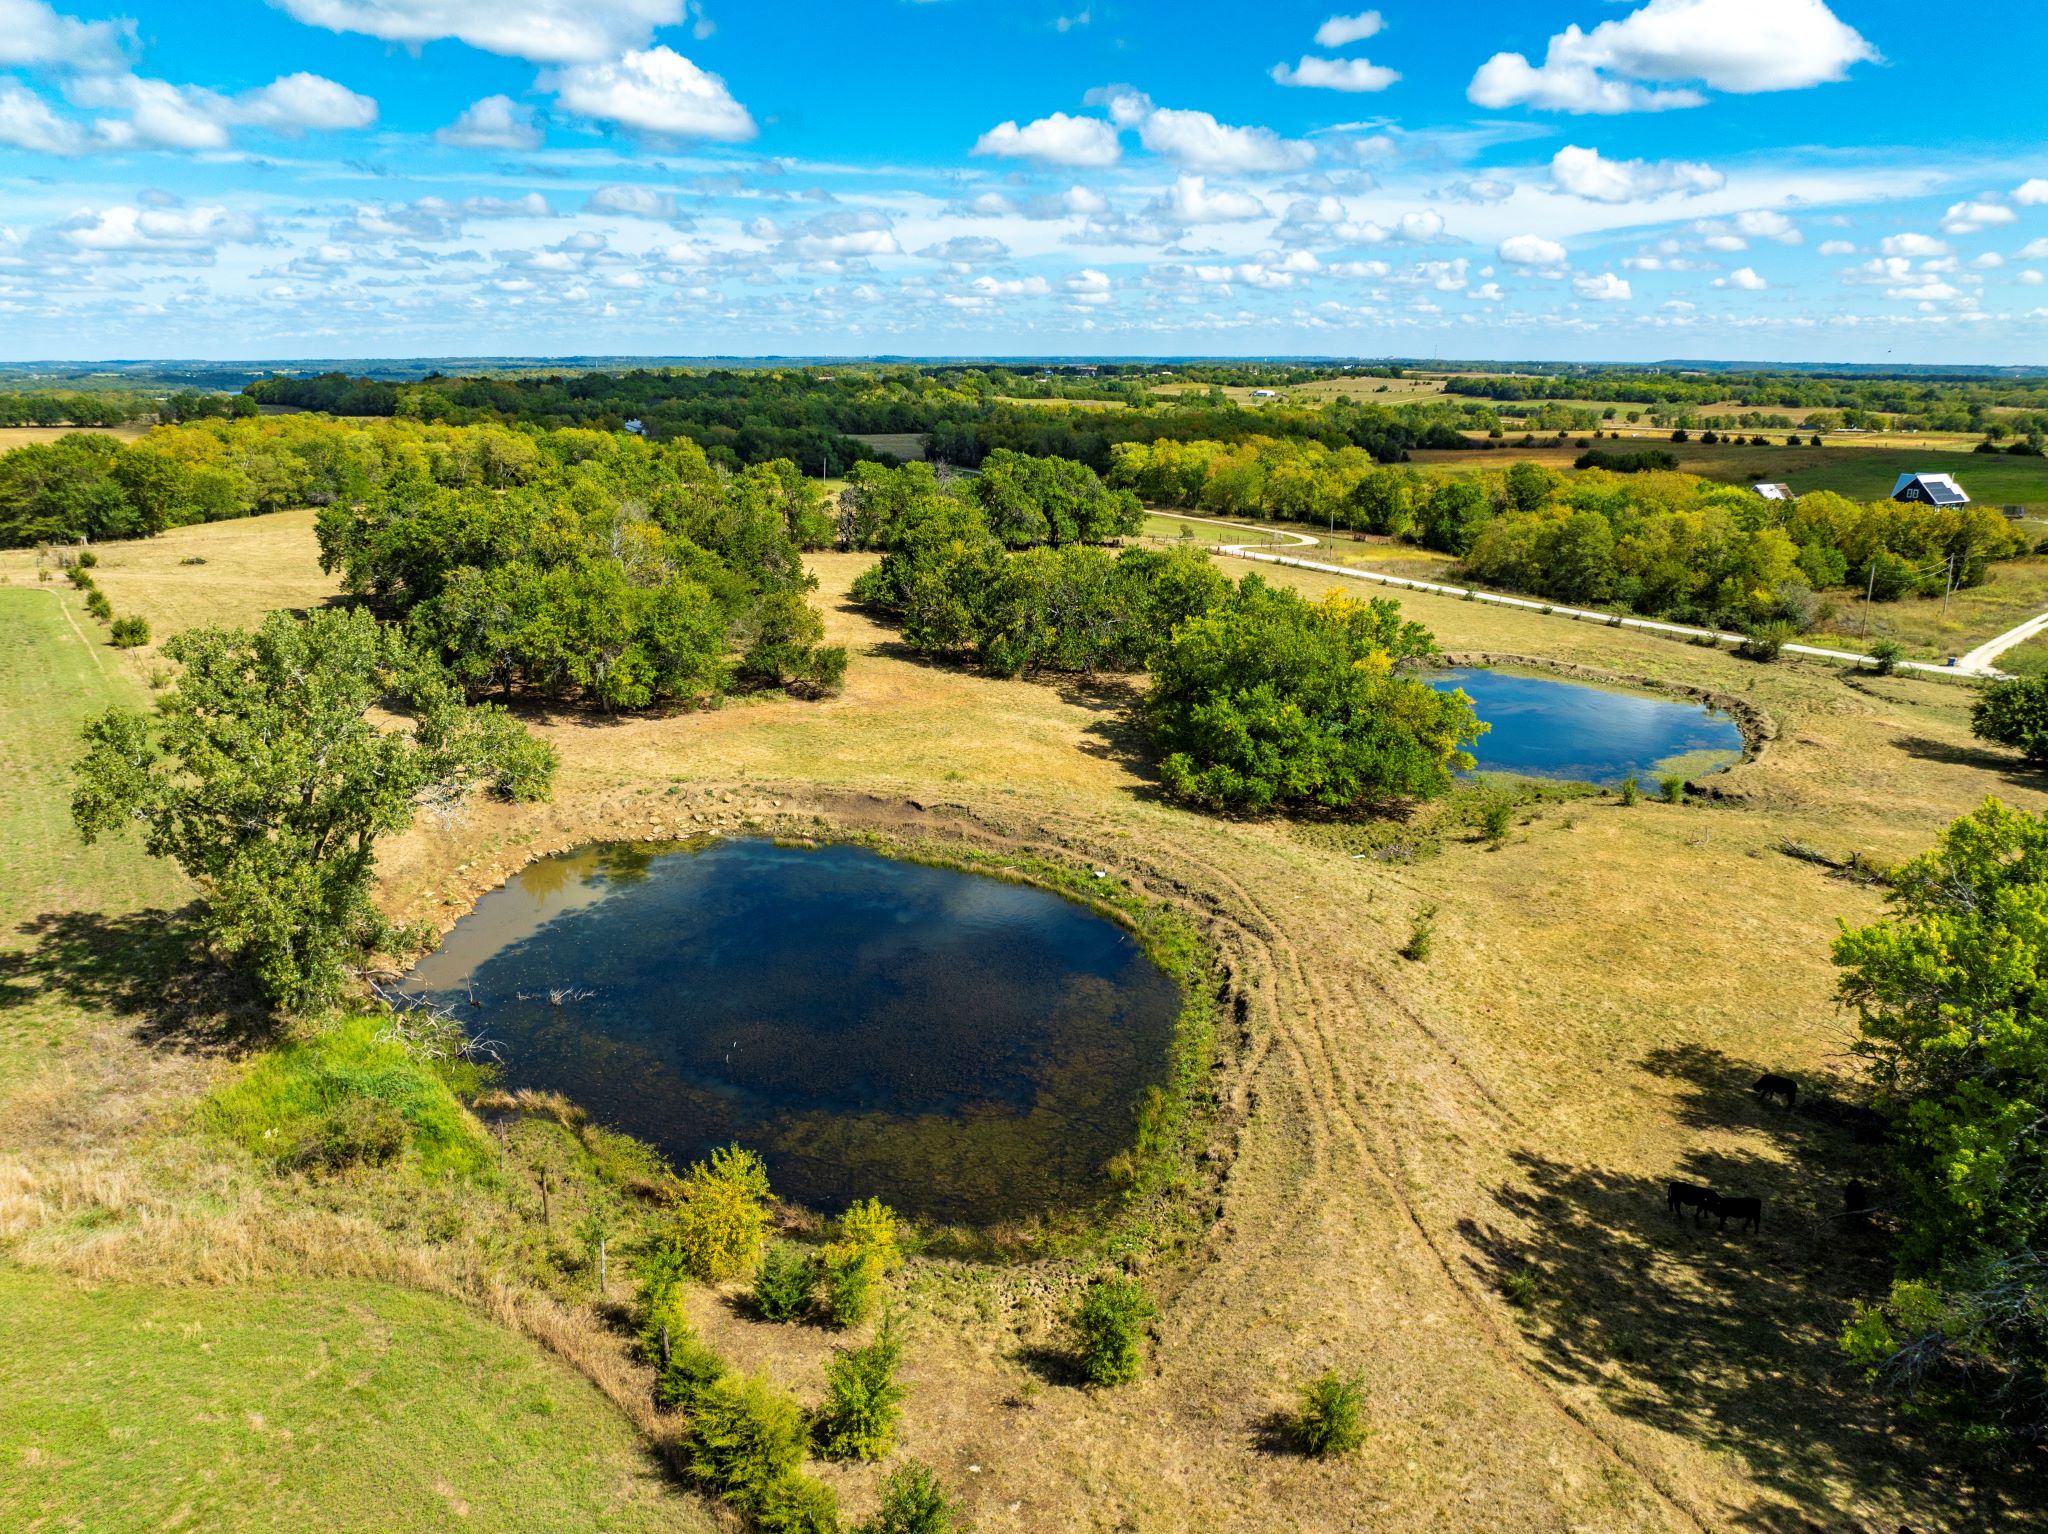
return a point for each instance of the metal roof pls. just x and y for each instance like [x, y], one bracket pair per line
[1775, 492]
[1940, 489]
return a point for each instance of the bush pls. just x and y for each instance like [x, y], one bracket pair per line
[915, 1502]
[98, 605]
[863, 1399]
[1630, 790]
[690, 1371]
[1496, 818]
[129, 633]
[798, 1504]
[1765, 641]
[1421, 936]
[77, 576]
[1330, 1418]
[853, 1285]
[1673, 789]
[359, 1131]
[2014, 713]
[1109, 1329]
[746, 1437]
[1885, 656]
[782, 1289]
[719, 1219]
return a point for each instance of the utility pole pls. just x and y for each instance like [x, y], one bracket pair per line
[1948, 586]
[1868, 597]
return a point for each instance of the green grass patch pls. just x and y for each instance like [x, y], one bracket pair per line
[325, 1407]
[345, 1096]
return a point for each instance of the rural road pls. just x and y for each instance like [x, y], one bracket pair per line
[1974, 665]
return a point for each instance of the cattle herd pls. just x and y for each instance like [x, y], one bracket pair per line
[1866, 1124]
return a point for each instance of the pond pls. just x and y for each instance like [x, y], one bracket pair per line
[968, 1050]
[1544, 727]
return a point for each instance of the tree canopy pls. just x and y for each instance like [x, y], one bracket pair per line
[1948, 992]
[267, 774]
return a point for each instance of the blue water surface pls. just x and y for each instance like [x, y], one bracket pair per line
[966, 1049]
[1544, 727]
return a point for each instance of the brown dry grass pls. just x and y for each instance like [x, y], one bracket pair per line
[1399, 1137]
[12, 437]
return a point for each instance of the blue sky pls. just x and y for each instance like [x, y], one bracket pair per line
[1786, 179]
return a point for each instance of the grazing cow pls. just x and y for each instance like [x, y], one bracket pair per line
[1744, 1211]
[1769, 1086]
[1689, 1193]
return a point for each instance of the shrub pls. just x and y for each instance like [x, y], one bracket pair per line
[719, 1219]
[1496, 818]
[1673, 789]
[1422, 936]
[782, 1289]
[77, 576]
[853, 1285]
[1630, 790]
[863, 1399]
[1109, 1329]
[799, 1504]
[872, 1227]
[87, 559]
[689, 1373]
[1885, 656]
[359, 1131]
[98, 605]
[2014, 713]
[129, 633]
[746, 1437]
[1519, 1290]
[1330, 1418]
[1765, 641]
[914, 1501]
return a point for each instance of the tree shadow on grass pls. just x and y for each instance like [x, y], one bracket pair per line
[1726, 1339]
[2015, 769]
[151, 968]
[1054, 1365]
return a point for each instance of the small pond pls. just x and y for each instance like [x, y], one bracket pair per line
[967, 1049]
[1544, 727]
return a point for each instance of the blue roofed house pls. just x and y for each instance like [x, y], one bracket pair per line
[1930, 490]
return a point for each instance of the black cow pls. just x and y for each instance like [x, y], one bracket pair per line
[1855, 1203]
[1689, 1193]
[1744, 1211]
[1769, 1086]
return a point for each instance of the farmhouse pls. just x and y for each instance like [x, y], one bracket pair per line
[1775, 492]
[1930, 489]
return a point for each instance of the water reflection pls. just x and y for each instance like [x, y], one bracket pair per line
[1547, 728]
[968, 1049]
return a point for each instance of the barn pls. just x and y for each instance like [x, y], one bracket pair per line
[1930, 490]
[1772, 492]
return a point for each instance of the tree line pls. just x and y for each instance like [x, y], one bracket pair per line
[1260, 699]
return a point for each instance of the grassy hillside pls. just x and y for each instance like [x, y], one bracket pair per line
[314, 1407]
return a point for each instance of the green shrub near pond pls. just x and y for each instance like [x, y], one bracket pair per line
[1109, 1329]
[1330, 1417]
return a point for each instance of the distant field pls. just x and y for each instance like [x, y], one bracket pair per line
[907, 445]
[1062, 404]
[12, 437]
[1863, 473]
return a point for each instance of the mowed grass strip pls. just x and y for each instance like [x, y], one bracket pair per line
[331, 1406]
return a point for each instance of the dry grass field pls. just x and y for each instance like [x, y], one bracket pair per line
[906, 445]
[1445, 1175]
[22, 436]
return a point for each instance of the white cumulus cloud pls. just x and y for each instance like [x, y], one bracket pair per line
[545, 31]
[32, 35]
[1342, 31]
[1355, 75]
[1969, 217]
[1587, 173]
[159, 229]
[1190, 201]
[1916, 246]
[496, 122]
[1055, 140]
[2031, 193]
[1743, 277]
[1531, 250]
[655, 91]
[1648, 60]
[1605, 288]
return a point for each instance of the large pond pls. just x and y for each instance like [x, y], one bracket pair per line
[1547, 728]
[967, 1049]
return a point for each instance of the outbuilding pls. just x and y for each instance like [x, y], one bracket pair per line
[1775, 492]
[1930, 490]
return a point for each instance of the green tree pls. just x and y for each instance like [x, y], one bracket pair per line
[746, 1437]
[1330, 1417]
[914, 1501]
[1109, 1329]
[783, 1287]
[1952, 1025]
[863, 1398]
[264, 776]
[1271, 700]
[2014, 712]
[719, 1216]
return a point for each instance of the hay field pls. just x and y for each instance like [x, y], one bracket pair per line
[22, 436]
[1396, 1141]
